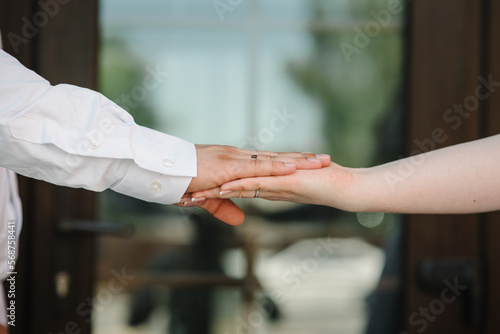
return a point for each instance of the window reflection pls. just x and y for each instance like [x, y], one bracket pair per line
[267, 75]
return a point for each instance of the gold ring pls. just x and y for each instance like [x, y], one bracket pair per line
[253, 157]
[256, 194]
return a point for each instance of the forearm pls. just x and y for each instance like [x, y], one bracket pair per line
[76, 137]
[463, 178]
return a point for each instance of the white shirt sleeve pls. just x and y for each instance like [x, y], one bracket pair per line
[76, 137]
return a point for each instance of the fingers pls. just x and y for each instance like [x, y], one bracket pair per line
[302, 160]
[218, 165]
[324, 158]
[244, 188]
[239, 169]
[308, 161]
[266, 165]
[209, 193]
[223, 209]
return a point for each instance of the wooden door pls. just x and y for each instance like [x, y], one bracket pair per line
[57, 39]
[491, 126]
[454, 89]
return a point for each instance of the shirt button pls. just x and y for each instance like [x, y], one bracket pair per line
[93, 144]
[168, 163]
[155, 187]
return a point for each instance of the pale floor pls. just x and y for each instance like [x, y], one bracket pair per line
[317, 293]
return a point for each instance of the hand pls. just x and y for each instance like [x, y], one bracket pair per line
[221, 164]
[223, 209]
[325, 186]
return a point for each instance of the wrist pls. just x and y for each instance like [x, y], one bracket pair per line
[358, 195]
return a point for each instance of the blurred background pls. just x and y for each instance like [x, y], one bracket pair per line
[365, 81]
[279, 75]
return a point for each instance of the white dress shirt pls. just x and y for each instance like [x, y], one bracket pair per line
[10, 213]
[76, 137]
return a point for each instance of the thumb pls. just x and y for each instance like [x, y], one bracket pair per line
[224, 210]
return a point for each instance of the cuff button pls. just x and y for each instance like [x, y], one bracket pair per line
[168, 163]
[155, 187]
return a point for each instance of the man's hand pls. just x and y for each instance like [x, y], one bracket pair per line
[223, 209]
[220, 164]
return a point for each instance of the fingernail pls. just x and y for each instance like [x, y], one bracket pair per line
[225, 192]
[185, 203]
[290, 164]
[313, 159]
[198, 199]
[323, 156]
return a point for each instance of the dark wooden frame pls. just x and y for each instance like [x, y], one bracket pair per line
[451, 43]
[63, 50]
[491, 126]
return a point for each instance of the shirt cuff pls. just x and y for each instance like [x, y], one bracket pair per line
[152, 187]
[162, 168]
[162, 153]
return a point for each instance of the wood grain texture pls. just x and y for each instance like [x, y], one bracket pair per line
[63, 50]
[492, 220]
[443, 68]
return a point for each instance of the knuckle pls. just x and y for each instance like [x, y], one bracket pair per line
[277, 164]
[273, 157]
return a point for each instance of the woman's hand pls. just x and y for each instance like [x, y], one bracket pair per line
[326, 186]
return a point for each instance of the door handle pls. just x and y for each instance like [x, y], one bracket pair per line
[95, 227]
[461, 277]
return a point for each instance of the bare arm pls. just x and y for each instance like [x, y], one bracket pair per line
[462, 178]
